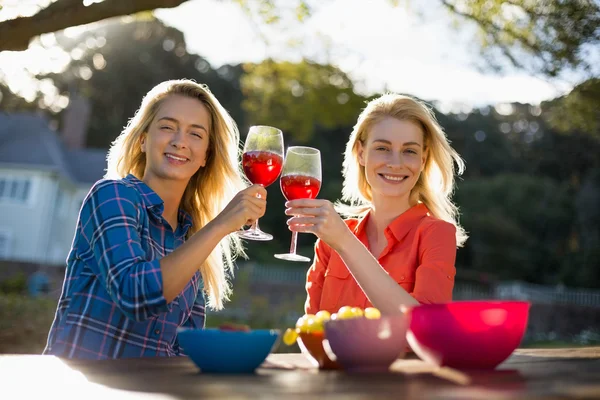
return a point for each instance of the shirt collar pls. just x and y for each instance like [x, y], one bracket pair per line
[401, 225]
[155, 204]
[149, 197]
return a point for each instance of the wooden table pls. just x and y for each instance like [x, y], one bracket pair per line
[568, 373]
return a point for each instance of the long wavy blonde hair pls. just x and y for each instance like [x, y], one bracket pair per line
[208, 191]
[435, 185]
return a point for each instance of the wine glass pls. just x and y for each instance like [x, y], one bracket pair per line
[262, 161]
[300, 179]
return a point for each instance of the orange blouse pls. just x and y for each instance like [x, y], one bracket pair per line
[419, 255]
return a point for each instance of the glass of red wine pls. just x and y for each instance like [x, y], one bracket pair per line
[300, 179]
[262, 161]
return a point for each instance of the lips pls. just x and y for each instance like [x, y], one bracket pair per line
[176, 157]
[393, 178]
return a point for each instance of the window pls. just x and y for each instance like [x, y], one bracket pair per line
[15, 189]
[5, 239]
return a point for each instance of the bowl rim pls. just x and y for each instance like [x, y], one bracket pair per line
[474, 303]
[270, 332]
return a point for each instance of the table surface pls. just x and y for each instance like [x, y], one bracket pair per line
[565, 373]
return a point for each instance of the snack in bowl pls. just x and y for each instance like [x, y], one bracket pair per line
[309, 332]
[235, 349]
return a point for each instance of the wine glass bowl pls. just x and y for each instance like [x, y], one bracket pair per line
[300, 179]
[262, 162]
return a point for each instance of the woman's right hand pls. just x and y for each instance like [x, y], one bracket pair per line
[246, 207]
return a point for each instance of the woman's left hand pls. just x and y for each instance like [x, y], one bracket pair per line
[318, 217]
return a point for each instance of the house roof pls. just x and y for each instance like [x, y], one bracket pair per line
[27, 139]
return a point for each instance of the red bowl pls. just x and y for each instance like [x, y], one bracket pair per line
[467, 334]
[311, 345]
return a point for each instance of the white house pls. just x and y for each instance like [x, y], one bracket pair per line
[44, 177]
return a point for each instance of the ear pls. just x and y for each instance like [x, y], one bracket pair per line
[361, 153]
[143, 142]
[424, 159]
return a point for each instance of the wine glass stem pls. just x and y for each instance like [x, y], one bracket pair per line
[255, 226]
[293, 244]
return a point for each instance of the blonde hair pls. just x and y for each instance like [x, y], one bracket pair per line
[435, 185]
[208, 191]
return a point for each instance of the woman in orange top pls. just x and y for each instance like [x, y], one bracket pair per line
[400, 248]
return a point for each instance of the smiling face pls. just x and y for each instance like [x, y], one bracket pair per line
[393, 156]
[177, 140]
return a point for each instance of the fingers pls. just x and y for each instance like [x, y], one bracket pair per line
[308, 203]
[256, 191]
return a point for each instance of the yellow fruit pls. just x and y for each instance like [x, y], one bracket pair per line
[314, 325]
[345, 313]
[358, 312]
[303, 320]
[372, 313]
[323, 316]
[290, 336]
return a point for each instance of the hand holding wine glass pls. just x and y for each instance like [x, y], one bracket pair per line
[262, 161]
[300, 179]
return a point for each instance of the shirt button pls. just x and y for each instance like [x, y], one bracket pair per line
[402, 278]
[157, 332]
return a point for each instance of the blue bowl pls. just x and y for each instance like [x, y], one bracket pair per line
[219, 351]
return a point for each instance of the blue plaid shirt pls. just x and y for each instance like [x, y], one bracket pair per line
[112, 303]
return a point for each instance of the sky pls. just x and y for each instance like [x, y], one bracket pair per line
[379, 46]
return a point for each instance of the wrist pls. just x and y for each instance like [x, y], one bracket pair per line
[344, 242]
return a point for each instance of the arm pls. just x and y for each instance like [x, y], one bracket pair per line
[319, 217]
[434, 278]
[142, 288]
[315, 278]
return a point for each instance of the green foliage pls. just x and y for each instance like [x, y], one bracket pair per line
[577, 111]
[548, 36]
[298, 97]
[14, 285]
[518, 226]
[24, 323]
[118, 78]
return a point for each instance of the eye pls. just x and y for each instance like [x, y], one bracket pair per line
[198, 135]
[166, 128]
[381, 148]
[411, 151]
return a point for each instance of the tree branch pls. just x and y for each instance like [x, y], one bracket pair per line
[16, 34]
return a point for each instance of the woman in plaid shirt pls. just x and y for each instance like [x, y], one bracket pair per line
[152, 242]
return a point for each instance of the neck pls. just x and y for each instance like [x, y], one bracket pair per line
[171, 193]
[384, 211]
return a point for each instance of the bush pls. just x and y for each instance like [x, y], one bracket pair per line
[24, 323]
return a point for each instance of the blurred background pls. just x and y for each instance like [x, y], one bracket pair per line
[515, 84]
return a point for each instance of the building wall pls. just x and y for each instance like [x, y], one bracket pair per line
[26, 201]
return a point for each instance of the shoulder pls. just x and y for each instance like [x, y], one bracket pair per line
[107, 189]
[436, 228]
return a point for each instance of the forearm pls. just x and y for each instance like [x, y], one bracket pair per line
[379, 287]
[178, 267]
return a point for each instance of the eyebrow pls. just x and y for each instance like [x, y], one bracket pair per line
[176, 121]
[388, 142]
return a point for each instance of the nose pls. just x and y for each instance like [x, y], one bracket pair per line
[395, 160]
[179, 140]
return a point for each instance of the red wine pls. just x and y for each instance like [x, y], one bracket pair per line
[299, 187]
[262, 167]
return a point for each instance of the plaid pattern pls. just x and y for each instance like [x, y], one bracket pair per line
[112, 303]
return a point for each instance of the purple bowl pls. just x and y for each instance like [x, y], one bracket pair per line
[366, 345]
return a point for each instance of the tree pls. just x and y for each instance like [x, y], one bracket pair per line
[546, 36]
[114, 79]
[298, 97]
[578, 111]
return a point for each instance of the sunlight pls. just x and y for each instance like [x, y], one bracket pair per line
[52, 375]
